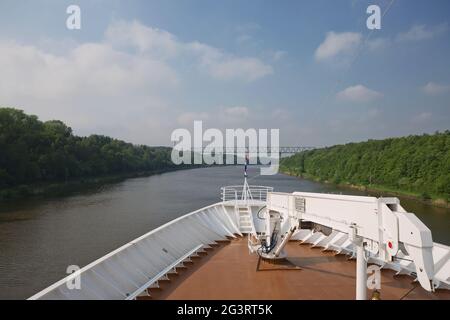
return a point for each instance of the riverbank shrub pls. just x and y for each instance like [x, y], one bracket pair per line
[416, 163]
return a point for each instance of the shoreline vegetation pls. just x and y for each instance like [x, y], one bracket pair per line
[416, 166]
[38, 158]
[381, 190]
[44, 158]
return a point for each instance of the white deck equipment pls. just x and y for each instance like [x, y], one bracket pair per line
[377, 230]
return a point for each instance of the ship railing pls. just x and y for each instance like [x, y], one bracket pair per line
[171, 268]
[235, 193]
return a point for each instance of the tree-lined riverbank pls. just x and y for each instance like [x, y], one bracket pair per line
[414, 166]
[37, 157]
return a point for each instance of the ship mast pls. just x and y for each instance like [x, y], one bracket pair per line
[246, 194]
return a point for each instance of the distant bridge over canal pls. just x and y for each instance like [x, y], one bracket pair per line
[283, 150]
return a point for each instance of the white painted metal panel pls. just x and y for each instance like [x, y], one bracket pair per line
[123, 272]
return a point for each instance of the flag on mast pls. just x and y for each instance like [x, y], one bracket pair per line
[246, 164]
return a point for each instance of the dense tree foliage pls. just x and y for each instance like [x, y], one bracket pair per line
[418, 164]
[34, 151]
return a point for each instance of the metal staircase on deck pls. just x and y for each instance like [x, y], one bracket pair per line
[245, 220]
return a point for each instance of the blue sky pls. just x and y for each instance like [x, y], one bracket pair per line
[139, 69]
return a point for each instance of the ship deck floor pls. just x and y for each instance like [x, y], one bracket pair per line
[228, 271]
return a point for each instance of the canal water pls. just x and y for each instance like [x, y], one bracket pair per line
[40, 238]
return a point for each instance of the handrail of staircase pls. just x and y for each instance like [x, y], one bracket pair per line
[233, 193]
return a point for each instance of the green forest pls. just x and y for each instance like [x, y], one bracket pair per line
[417, 165]
[36, 152]
[32, 151]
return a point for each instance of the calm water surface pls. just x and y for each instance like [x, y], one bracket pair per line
[40, 238]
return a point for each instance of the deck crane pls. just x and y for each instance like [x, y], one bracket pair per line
[378, 228]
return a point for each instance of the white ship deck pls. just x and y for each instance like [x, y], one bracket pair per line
[229, 272]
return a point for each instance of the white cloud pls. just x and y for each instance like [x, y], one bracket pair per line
[247, 69]
[421, 32]
[358, 93]
[164, 45]
[124, 86]
[94, 88]
[89, 68]
[225, 66]
[432, 88]
[157, 42]
[336, 44]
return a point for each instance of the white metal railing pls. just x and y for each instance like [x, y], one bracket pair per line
[232, 193]
[162, 273]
